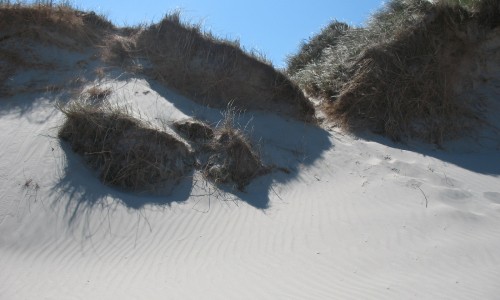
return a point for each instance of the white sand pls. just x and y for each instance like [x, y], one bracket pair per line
[356, 218]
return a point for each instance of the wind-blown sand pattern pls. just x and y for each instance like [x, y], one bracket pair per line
[337, 216]
[355, 219]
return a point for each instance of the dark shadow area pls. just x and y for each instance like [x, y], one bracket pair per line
[474, 154]
[283, 143]
[25, 104]
[85, 191]
[28, 88]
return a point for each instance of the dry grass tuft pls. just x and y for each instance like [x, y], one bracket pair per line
[398, 76]
[97, 93]
[232, 158]
[120, 48]
[224, 154]
[50, 24]
[488, 12]
[216, 72]
[126, 152]
[210, 70]
[194, 131]
[405, 87]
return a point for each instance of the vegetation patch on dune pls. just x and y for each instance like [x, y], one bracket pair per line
[400, 74]
[194, 131]
[232, 159]
[31, 33]
[217, 72]
[55, 25]
[210, 70]
[126, 152]
[131, 154]
[224, 154]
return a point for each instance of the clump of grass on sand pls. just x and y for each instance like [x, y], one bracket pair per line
[52, 24]
[208, 69]
[225, 154]
[311, 50]
[398, 75]
[97, 93]
[232, 158]
[216, 72]
[126, 152]
[194, 131]
[133, 155]
[24, 27]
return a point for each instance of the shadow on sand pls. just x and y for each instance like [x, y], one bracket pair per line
[85, 191]
[281, 142]
[477, 154]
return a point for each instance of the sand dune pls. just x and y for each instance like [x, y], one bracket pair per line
[356, 218]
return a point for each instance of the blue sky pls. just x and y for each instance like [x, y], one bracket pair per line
[273, 27]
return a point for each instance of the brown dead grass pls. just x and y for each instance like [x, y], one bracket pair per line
[216, 72]
[98, 93]
[224, 154]
[400, 74]
[126, 152]
[55, 25]
[129, 154]
[233, 160]
[405, 87]
[195, 131]
[25, 26]
[210, 70]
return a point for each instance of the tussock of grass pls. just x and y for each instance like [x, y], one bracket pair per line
[210, 70]
[224, 154]
[126, 152]
[217, 72]
[311, 50]
[233, 160]
[97, 93]
[130, 154]
[232, 157]
[398, 75]
[55, 25]
[195, 131]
